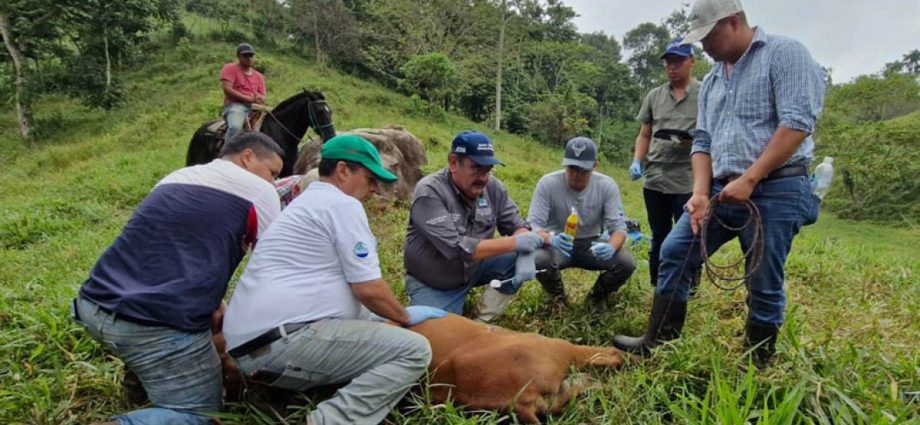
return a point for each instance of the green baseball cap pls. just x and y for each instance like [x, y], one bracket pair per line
[354, 148]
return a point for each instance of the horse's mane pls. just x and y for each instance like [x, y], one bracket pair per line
[297, 97]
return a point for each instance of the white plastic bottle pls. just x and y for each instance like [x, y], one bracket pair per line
[821, 179]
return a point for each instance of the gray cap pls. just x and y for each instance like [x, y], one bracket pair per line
[704, 14]
[580, 152]
[245, 48]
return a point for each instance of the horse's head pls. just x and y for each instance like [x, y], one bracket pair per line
[319, 114]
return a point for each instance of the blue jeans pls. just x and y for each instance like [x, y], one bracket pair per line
[235, 114]
[179, 370]
[452, 300]
[380, 362]
[785, 204]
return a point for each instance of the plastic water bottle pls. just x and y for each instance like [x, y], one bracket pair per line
[821, 179]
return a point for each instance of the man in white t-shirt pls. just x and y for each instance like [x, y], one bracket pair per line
[299, 316]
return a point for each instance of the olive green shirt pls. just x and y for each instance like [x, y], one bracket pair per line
[667, 165]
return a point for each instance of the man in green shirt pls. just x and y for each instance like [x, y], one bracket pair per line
[667, 114]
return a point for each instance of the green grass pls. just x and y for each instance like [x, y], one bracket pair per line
[847, 354]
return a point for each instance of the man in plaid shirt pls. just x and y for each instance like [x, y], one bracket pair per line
[757, 109]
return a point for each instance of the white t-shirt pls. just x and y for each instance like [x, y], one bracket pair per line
[302, 266]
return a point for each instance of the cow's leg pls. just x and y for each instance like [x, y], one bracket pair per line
[596, 356]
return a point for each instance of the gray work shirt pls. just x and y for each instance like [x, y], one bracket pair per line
[445, 228]
[667, 166]
[599, 205]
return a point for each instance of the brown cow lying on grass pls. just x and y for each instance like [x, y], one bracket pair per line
[482, 366]
[487, 367]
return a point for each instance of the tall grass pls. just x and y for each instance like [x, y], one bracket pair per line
[848, 352]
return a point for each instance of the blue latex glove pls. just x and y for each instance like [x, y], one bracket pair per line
[563, 243]
[635, 236]
[527, 242]
[635, 170]
[417, 314]
[421, 313]
[524, 269]
[602, 250]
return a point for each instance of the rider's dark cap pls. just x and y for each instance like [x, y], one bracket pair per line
[245, 49]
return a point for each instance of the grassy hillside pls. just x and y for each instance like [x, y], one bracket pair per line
[848, 353]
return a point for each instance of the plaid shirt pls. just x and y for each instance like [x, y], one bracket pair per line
[775, 84]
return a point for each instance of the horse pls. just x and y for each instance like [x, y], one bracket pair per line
[287, 124]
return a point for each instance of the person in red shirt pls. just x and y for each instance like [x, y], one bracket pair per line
[242, 86]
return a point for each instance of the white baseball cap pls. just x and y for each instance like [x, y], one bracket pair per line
[704, 14]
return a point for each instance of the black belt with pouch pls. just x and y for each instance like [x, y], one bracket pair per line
[266, 338]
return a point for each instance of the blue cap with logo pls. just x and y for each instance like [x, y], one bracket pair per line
[676, 47]
[475, 146]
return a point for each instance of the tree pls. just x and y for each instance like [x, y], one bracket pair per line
[646, 42]
[606, 48]
[311, 27]
[394, 31]
[909, 64]
[107, 29]
[32, 30]
[431, 76]
[558, 25]
[558, 117]
[23, 102]
[498, 69]
[678, 22]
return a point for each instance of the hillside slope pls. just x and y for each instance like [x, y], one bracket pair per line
[849, 346]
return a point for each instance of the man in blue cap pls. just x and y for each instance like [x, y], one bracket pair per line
[668, 175]
[450, 244]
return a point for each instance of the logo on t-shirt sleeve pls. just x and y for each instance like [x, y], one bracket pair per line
[361, 250]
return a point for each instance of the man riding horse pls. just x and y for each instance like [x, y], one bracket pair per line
[242, 86]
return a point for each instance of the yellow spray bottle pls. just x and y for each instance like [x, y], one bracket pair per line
[571, 223]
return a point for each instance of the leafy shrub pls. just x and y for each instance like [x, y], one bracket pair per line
[876, 165]
[421, 108]
[557, 118]
[178, 31]
[432, 77]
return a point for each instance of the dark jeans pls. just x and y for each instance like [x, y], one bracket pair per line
[664, 209]
[620, 266]
[785, 204]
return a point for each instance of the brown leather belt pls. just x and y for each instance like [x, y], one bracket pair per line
[266, 338]
[784, 171]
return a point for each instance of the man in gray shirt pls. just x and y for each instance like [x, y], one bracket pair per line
[450, 242]
[599, 243]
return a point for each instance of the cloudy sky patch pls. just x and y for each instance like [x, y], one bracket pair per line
[852, 37]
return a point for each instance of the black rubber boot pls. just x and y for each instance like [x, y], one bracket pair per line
[605, 285]
[664, 324]
[133, 388]
[762, 338]
[551, 280]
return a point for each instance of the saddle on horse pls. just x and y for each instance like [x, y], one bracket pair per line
[253, 122]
